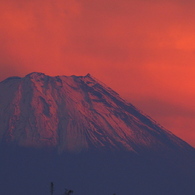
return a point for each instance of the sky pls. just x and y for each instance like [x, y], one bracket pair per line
[144, 50]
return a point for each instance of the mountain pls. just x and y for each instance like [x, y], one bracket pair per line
[75, 113]
[75, 129]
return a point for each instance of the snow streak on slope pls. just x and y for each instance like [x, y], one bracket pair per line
[75, 113]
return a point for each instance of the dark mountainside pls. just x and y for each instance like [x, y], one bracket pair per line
[78, 133]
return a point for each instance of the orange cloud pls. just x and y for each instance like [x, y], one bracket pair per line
[142, 49]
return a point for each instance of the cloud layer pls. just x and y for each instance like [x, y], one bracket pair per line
[142, 49]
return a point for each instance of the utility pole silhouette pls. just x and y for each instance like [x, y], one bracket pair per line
[51, 188]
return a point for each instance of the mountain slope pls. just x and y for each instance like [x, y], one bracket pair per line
[76, 113]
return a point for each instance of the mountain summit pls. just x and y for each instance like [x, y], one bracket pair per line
[75, 113]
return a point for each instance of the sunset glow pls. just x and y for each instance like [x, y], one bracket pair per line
[144, 50]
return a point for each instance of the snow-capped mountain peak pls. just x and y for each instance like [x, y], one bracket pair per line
[75, 113]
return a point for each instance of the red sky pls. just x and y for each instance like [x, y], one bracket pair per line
[144, 50]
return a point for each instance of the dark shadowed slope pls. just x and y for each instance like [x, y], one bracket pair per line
[29, 171]
[78, 133]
